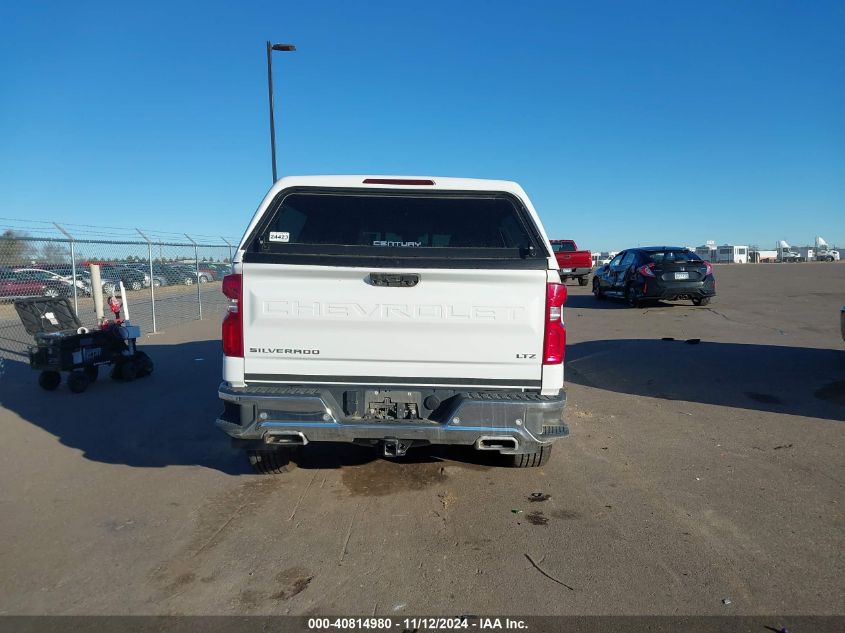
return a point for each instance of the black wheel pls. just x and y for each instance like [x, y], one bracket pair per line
[532, 460]
[156, 283]
[582, 281]
[189, 281]
[269, 462]
[700, 301]
[203, 279]
[598, 293]
[77, 381]
[49, 380]
[51, 292]
[136, 285]
[92, 371]
[632, 298]
[129, 370]
[145, 364]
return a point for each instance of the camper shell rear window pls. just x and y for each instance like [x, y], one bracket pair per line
[392, 227]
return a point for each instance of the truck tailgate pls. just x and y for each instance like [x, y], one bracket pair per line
[461, 327]
[575, 259]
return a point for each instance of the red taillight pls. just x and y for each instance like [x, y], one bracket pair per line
[233, 330]
[646, 271]
[396, 181]
[708, 268]
[554, 338]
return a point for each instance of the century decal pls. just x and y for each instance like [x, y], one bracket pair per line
[392, 311]
[392, 243]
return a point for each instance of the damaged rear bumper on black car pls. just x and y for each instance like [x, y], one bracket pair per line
[510, 422]
[671, 291]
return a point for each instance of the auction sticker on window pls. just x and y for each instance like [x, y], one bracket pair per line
[279, 236]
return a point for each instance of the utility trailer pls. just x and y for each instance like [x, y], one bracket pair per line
[757, 256]
[63, 344]
[731, 254]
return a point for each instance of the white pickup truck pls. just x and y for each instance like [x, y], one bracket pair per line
[394, 312]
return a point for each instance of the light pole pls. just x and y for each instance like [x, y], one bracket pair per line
[270, 48]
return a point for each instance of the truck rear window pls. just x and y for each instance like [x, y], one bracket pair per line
[398, 225]
[563, 247]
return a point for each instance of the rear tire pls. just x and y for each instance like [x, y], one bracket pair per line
[269, 462]
[598, 293]
[77, 381]
[582, 281]
[129, 370]
[145, 364]
[49, 380]
[700, 301]
[136, 285]
[532, 460]
[632, 298]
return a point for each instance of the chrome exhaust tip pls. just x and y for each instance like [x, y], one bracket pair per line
[496, 443]
[285, 438]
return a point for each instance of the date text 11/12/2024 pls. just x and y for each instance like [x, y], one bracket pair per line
[416, 624]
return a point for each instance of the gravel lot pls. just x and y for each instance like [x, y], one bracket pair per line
[695, 473]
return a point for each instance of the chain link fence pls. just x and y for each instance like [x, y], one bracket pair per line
[166, 282]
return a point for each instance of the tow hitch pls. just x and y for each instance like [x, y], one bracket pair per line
[391, 447]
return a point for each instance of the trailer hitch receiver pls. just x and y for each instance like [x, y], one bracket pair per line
[392, 447]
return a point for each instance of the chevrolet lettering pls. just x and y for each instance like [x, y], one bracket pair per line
[318, 309]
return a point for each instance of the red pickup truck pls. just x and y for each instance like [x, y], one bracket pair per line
[573, 264]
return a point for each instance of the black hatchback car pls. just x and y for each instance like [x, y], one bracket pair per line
[652, 273]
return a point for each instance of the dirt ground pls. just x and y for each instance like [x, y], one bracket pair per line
[698, 479]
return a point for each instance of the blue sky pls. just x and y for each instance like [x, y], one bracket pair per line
[627, 122]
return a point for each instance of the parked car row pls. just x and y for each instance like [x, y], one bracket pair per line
[184, 273]
[176, 274]
[58, 281]
[15, 284]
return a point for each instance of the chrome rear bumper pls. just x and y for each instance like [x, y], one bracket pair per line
[509, 422]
